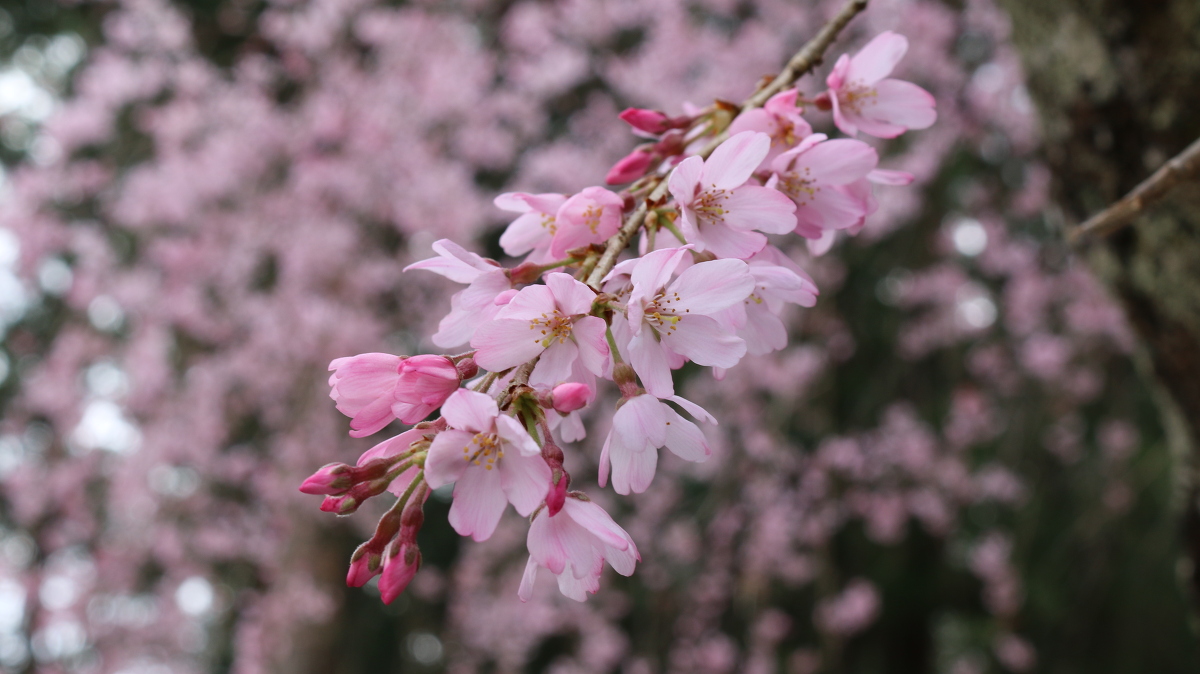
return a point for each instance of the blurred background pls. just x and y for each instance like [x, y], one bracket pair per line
[955, 466]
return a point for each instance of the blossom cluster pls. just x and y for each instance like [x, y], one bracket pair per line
[707, 286]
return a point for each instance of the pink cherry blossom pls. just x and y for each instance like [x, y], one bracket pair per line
[777, 281]
[424, 384]
[534, 229]
[573, 545]
[550, 321]
[718, 210]
[810, 174]
[472, 306]
[571, 396]
[363, 387]
[780, 119]
[641, 426]
[589, 217]
[864, 101]
[631, 167]
[491, 459]
[664, 317]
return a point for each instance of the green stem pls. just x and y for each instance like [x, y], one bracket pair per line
[670, 226]
[612, 345]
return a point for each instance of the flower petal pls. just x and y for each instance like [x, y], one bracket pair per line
[685, 440]
[571, 296]
[732, 163]
[525, 591]
[445, 462]
[515, 436]
[525, 481]
[685, 180]
[760, 208]
[554, 367]
[703, 341]
[501, 344]
[593, 346]
[470, 411]
[593, 518]
[478, 503]
[877, 59]
[650, 363]
[710, 286]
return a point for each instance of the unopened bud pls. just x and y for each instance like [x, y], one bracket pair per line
[526, 272]
[823, 101]
[630, 167]
[650, 121]
[624, 376]
[400, 564]
[558, 492]
[570, 397]
[364, 565]
[467, 368]
[331, 479]
[339, 505]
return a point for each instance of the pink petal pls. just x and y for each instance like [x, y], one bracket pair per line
[889, 177]
[634, 472]
[524, 234]
[732, 163]
[640, 424]
[525, 480]
[589, 333]
[844, 123]
[761, 208]
[578, 588]
[763, 332]
[454, 262]
[471, 307]
[403, 480]
[729, 242]
[501, 344]
[554, 367]
[837, 76]
[478, 503]
[903, 104]
[529, 303]
[593, 518]
[605, 461]
[877, 60]
[622, 561]
[782, 104]
[837, 162]
[685, 180]
[701, 340]
[445, 462]
[710, 286]
[521, 202]
[544, 545]
[470, 411]
[391, 447]
[372, 418]
[758, 120]
[694, 409]
[685, 440]
[515, 436]
[654, 269]
[571, 296]
[525, 591]
[833, 208]
[650, 363]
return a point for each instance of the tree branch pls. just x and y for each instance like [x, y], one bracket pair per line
[800, 64]
[1184, 166]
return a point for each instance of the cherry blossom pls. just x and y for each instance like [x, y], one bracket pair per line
[550, 321]
[641, 425]
[863, 100]
[490, 459]
[665, 318]
[536, 226]
[475, 304]
[718, 210]
[574, 544]
[813, 173]
[589, 217]
[777, 281]
[780, 119]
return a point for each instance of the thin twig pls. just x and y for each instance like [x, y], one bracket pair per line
[806, 59]
[1184, 166]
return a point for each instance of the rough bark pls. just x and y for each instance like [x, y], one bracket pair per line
[1116, 83]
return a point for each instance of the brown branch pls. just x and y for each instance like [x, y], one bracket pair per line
[1181, 168]
[800, 64]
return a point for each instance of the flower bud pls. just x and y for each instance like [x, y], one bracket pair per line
[467, 368]
[365, 564]
[823, 101]
[400, 564]
[650, 121]
[331, 480]
[339, 505]
[424, 384]
[631, 167]
[558, 491]
[571, 396]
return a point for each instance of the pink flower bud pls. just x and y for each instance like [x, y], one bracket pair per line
[633, 166]
[339, 505]
[365, 564]
[330, 480]
[558, 492]
[400, 564]
[424, 384]
[467, 368]
[571, 396]
[650, 121]
[823, 101]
